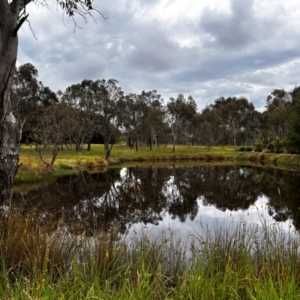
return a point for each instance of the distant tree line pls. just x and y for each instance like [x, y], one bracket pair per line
[100, 111]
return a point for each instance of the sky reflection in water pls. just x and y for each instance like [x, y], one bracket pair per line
[212, 220]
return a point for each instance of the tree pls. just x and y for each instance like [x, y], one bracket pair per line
[82, 98]
[131, 120]
[29, 98]
[24, 93]
[234, 113]
[278, 106]
[110, 112]
[293, 133]
[12, 16]
[153, 116]
[208, 125]
[52, 128]
[180, 113]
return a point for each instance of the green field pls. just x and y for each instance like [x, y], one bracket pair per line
[68, 161]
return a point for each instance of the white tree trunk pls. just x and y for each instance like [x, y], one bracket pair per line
[9, 126]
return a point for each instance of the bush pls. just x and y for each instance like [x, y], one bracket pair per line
[276, 146]
[258, 145]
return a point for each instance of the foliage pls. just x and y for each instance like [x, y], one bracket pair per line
[80, 98]
[293, 135]
[208, 127]
[259, 145]
[278, 106]
[180, 113]
[100, 111]
[276, 146]
[29, 98]
[236, 114]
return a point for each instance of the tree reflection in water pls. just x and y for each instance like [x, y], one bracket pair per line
[123, 197]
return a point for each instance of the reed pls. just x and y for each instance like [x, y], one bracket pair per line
[43, 260]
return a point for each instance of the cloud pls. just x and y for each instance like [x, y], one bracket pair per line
[230, 30]
[209, 49]
[156, 53]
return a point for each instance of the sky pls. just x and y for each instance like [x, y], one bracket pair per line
[204, 48]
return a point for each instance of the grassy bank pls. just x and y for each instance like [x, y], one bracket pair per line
[40, 260]
[69, 161]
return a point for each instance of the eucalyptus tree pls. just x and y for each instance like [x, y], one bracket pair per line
[29, 97]
[293, 133]
[133, 119]
[52, 128]
[25, 92]
[110, 112]
[278, 108]
[144, 118]
[82, 98]
[12, 16]
[155, 125]
[209, 127]
[180, 113]
[235, 113]
[257, 126]
[153, 119]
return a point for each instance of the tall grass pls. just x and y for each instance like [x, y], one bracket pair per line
[43, 260]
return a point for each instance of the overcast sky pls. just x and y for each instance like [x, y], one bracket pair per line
[203, 48]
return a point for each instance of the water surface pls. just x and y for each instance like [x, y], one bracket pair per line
[157, 199]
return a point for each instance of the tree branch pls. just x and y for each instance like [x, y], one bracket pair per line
[19, 24]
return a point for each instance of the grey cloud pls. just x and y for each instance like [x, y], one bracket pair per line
[145, 54]
[230, 30]
[155, 53]
[218, 66]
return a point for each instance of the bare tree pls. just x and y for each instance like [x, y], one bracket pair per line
[52, 128]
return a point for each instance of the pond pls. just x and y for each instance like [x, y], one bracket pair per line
[154, 199]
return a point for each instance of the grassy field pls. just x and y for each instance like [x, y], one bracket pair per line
[41, 260]
[122, 152]
[68, 161]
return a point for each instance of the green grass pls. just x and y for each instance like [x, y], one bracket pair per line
[42, 260]
[68, 161]
[122, 152]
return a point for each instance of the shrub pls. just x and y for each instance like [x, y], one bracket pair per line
[258, 145]
[276, 146]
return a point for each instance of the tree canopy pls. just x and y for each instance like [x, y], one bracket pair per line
[100, 111]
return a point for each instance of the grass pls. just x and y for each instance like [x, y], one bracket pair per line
[40, 260]
[68, 161]
[121, 152]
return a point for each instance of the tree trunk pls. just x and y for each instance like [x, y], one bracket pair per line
[108, 148]
[136, 144]
[78, 146]
[89, 146]
[150, 141]
[9, 126]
